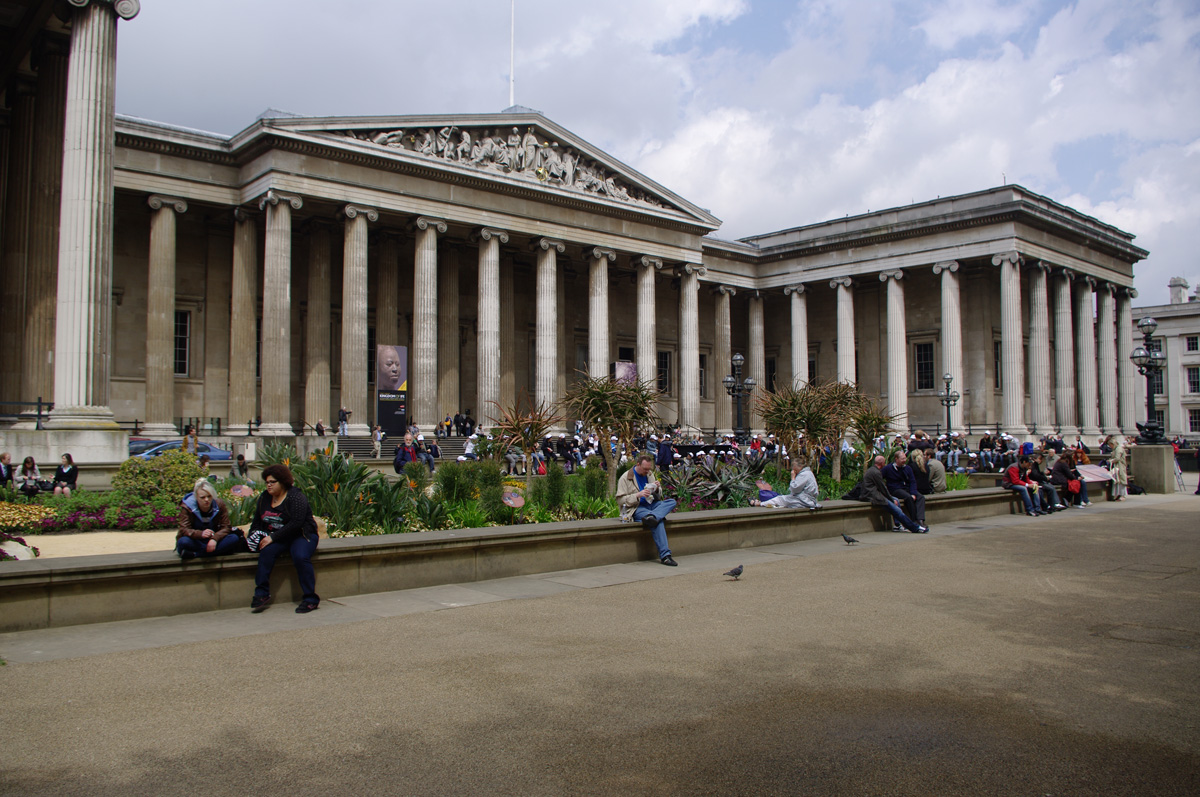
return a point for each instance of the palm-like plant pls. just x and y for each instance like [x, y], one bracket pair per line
[623, 408]
[524, 425]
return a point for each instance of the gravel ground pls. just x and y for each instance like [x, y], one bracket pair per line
[1054, 657]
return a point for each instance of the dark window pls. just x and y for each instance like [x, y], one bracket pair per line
[997, 349]
[924, 352]
[183, 334]
[1194, 420]
[625, 353]
[703, 376]
[1194, 379]
[772, 371]
[370, 355]
[1158, 380]
[812, 368]
[1161, 418]
[258, 350]
[664, 372]
[1193, 343]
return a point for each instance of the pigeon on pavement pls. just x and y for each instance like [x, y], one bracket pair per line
[735, 572]
[849, 540]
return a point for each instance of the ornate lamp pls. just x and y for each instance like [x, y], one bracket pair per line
[737, 387]
[1149, 362]
[948, 398]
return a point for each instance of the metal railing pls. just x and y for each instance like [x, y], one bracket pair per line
[42, 406]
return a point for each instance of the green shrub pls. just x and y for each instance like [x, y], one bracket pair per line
[455, 482]
[539, 493]
[171, 474]
[277, 453]
[595, 480]
[467, 516]
[556, 486]
[416, 476]
[429, 513]
[957, 481]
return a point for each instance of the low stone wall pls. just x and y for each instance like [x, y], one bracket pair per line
[92, 589]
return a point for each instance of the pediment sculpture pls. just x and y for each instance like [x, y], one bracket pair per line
[528, 155]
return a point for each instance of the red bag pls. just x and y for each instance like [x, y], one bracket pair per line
[1073, 486]
[541, 471]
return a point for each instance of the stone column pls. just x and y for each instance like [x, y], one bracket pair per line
[423, 398]
[1106, 358]
[387, 300]
[15, 253]
[952, 344]
[317, 369]
[44, 206]
[845, 329]
[1085, 351]
[546, 368]
[83, 322]
[1064, 355]
[243, 389]
[756, 361]
[508, 335]
[1012, 344]
[1040, 412]
[722, 354]
[1126, 373]
[450, 398]
[897, 348]
[160, 318]
[218, 268]
[598, 340]
[488, 326]
[689, 346]
[355, 356]
[647, 318]
[799, 334]
[277, 314]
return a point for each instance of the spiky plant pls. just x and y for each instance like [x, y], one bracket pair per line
[624, 408]
[524, 425]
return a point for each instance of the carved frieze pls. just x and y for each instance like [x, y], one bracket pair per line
[530, 155]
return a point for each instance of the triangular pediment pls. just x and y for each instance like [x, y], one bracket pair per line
[523, 148]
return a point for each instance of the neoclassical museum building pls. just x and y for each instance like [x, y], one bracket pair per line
[156, 273]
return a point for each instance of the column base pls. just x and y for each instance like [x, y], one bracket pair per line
[274, 430]
[81, 418]
[1090, 431]
[236, 430]
[159, 430]
[1068, 433]
[359, 430]
[1020, 432]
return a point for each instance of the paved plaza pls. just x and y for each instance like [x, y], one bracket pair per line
[1000, 656]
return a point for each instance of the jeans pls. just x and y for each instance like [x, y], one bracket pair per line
[301, 551]
[230, 543]
[914, 504]
[658, 510]
[343, 428]
[901, 518]
[1024, 492]
[1048, 495]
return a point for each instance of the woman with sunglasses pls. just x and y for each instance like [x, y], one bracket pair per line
[283, 521]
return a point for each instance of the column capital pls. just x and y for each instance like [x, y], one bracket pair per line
[788, 290]
[352, 212]
[273, 197]
[1088, 280]
[158, 201]
[1066, 273]
[1012, 256]
[1130, 293]
[599, 253]
[488, 233]
[897, 275]
[425, 222]
[1107, 287]
[691, 268]
[724, 290]
[546, 244]
[1043, 266]
[646, 261]
[945, 265]
[241, 214]
[125, 9]
[841, 282]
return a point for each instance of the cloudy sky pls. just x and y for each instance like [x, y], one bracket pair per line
[769, 113]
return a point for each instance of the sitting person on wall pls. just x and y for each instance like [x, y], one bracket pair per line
[1046, 490]
[240, 469]
[469, 447]
[929, 472]
[1016, 479]
[902, 483]
[6, 470]
[802, 489]
[283, 521]
[423, 452]
[204, 528]
[27, 478]
[406, 452]
[640, 497]
[65, 476]
[874, 489]
[1067, 480]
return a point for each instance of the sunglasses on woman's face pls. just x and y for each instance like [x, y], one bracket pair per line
[270, 481]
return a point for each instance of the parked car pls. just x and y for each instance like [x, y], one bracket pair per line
[139, 444]
[213, 452]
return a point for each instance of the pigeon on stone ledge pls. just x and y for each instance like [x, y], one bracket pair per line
[849, 540]
[735, 572]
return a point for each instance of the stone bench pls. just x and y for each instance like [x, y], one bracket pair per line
[44, 593]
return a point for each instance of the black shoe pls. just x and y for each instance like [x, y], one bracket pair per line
[258, 604]
[668, 561]
[185, 555]
[306, 606]
[649, 522]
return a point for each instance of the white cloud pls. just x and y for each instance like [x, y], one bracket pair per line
[955, 20]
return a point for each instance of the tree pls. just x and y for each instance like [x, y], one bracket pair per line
[523, 425]
[623, 408]
[823, 412]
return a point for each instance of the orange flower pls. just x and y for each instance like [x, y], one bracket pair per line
[335, 486]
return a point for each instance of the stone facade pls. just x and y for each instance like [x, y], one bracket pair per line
[247, 277]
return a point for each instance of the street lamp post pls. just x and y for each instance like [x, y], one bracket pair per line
[1149, 362]
[737, 387]
[948, 398]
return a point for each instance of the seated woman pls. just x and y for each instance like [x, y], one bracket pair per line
[66, 476]
[802, 490]
[204, 528]
[27, 478]
[1062, 474]
[283, 521]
